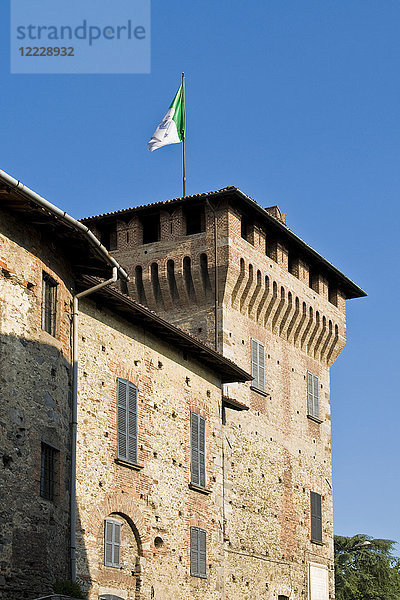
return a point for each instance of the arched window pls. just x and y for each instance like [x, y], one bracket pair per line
[120, 545]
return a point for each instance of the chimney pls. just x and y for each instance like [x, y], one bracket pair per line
[276, 213]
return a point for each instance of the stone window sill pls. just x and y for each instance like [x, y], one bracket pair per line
[130, 465]
[317, 542]
[314, 419]
[198, 488]
[261, 392]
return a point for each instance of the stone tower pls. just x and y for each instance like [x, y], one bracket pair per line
[274, 306]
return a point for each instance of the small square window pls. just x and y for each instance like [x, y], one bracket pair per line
[49, 304]
[48, 468]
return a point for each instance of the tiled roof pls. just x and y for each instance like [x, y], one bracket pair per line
[163, 203]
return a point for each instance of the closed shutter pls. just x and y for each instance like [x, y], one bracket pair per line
[258, 364]
[316, 397]
[116, 544]
[197, 449]
[312, 395]
[316, 517]
[108, 543]
[127, 420]
[112, 543]
[202, 553]
[198, 552]
[254, 363]
[194, 551]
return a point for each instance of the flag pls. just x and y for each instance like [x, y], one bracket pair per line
[171, 130]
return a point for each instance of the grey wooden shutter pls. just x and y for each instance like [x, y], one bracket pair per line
[112, 543]
[116, 544]
[258, 364]
[316, 517]
[194, 551]
[197, 449]
[316, 397]
[254, 363]
[202, 553]
[202, 451]
[312, 395]
[127, 420]
[132, 423]
[261, 366]
[198, 552]
[108, 543]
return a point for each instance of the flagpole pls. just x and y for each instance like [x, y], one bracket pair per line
[183, 139]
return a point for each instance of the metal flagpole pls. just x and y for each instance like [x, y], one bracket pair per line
[183, 140]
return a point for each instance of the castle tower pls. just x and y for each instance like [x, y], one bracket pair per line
[274, 306]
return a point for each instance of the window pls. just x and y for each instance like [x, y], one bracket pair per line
[198, 552]
[258, 365]
[108, 236]
[49, 295]
[280, 597]
[127, 420]
[197, 450]
[316, 517]
[151, 229]
[243, 227]
[195, 221]
[112, 543]
[48, 472]
[312, 395]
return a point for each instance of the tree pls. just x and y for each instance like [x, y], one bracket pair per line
[365, 569]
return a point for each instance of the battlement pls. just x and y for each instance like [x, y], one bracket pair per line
[263, 270]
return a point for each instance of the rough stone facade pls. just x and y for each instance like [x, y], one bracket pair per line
[35, 408]
[276, 290]
[153, 500]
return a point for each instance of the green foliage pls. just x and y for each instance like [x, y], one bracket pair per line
[68, 588]
[366, 571]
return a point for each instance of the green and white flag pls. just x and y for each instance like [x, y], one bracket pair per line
[171, 130]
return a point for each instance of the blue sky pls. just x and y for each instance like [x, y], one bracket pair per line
[297, 103]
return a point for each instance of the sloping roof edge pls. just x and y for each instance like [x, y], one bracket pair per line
[227, 370]
[60, 215]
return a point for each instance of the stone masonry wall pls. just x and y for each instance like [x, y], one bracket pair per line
[34, 408]
[153, 501]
